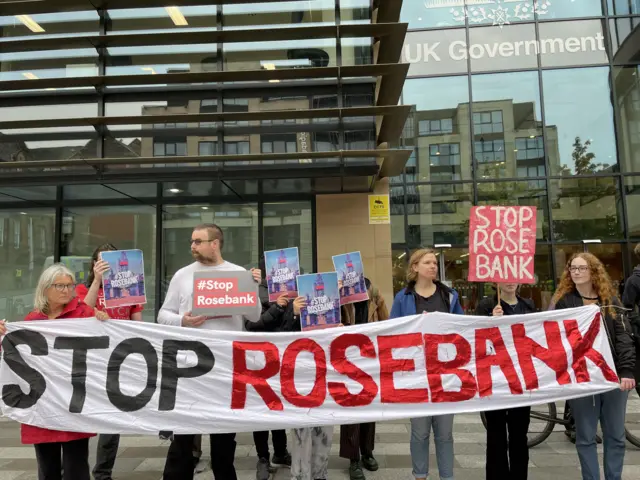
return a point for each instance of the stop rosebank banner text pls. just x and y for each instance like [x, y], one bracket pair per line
[140, 378]
[502, 244]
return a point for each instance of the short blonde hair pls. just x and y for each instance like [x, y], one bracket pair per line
[418, 255]
[41, 303]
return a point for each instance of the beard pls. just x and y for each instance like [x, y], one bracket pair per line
[202, 259]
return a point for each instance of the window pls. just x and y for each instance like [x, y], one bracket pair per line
[579, 142]
[279, 143]
[488, 122]
[236, 148]
[435, 127]
[489, 151]
[16, 234]
[170, 148]
[444, 207]
[529, 148]
[42, 235]
[127, 227]
[207, 148]
[289, 225]
[444, 155]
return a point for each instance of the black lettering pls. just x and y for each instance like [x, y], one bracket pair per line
[171, 373]
[12, 395]
[80, 347]
[128, 403]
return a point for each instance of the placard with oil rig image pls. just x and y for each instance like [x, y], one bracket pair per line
[323, 300]
[351, 273]
[123, 283]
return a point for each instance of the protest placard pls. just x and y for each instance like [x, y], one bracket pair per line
[224, 293]
[323, 300]
[502, 244]
[123, 284]
[351, 273]
[282, 267]
[139, 378]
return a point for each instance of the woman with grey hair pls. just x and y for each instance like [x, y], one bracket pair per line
[55, 299]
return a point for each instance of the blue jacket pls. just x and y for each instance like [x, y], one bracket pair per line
[405, 303]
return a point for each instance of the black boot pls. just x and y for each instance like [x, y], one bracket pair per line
[355, 471]
[369, 463]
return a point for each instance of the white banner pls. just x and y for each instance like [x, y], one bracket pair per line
[130, 377]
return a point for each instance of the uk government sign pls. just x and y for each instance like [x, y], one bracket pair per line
[506, 48]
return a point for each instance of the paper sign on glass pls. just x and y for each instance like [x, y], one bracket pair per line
[351, 273]
[123, 284]
[323, 300]
[282, 267]
[224, 293]
[502, 244]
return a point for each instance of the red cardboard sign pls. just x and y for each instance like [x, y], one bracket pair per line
[502, 244]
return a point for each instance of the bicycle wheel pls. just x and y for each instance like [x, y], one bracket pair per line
[632, 421]
[542, 423]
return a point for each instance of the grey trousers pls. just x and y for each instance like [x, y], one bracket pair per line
[310, 449]
[106, 456]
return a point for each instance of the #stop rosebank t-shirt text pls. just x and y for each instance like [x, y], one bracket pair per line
[120, 313]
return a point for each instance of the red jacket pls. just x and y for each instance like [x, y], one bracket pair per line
[34, 435]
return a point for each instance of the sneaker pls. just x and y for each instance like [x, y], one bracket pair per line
[355, 471]
[262, 469]
[370, 463]
[202, 466]
[281, 460]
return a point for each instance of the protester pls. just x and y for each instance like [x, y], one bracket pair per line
[631, 301]
[425, 294]
[271, 320]
[507, 449]
[585, 282]
[207, 241]
[54, 299]
[359, 439]
[92, 294]
[310, 445]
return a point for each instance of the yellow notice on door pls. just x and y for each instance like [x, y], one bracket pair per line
[379, 209]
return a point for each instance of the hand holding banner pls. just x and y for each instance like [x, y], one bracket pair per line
[502, 244]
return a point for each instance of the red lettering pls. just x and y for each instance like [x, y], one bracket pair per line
[388, 365]
[501, 358]
[287, 382]
[339, 390]
[582, 348]
[242, 376]
[555, 357]
[436, 368]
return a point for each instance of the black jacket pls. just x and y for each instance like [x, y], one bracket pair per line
[631, 294]
[273, 315]
[486, 306]
[618, 332]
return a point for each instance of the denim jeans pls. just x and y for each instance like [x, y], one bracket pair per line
[443, 434]
[609, 408]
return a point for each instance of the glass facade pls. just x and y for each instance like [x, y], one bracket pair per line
[133, 125]
[523, 103]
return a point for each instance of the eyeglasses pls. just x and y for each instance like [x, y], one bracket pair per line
[61, 287]
[581, 269]
[199, 242]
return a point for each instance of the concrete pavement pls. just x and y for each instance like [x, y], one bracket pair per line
[142, 458]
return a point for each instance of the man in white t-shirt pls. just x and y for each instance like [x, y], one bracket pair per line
[207, 241]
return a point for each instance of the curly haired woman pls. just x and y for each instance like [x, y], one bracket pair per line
[585, 282]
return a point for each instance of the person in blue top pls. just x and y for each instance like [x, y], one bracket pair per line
[424, 293]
